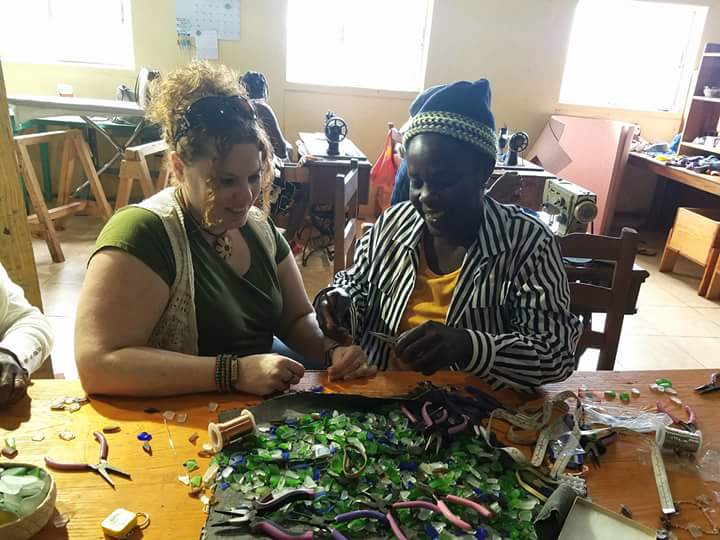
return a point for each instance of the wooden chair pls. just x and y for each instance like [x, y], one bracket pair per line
[134, 167]
[588, 298]
[346, 213]
[42, 221]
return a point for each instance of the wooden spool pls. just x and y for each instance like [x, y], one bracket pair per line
[30, 525]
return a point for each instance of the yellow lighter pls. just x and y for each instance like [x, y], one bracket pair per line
[122, 522]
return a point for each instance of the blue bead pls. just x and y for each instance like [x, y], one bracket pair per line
[316, 474]
[292, 422]
[286, 456]
[389, 435]
[144, 436]
[318, 389]
[236, 459]
[408, 466]
[273, 429]
[480, 534]
[431, 532]
[224, 486]
[370, 436]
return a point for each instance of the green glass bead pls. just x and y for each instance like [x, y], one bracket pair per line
[624, 396]
[610, 394]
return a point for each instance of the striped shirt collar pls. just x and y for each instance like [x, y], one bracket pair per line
[492, 238]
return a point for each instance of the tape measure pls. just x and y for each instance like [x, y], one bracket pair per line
[661, 480]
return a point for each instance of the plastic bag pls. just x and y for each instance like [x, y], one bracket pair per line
[619, 416]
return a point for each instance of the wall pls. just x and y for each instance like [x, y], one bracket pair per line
[520, 45]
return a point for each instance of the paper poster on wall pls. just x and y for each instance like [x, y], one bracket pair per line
[206, 43]
[222, 16]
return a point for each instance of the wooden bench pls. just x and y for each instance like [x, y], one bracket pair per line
[134, 167]
[42, 221]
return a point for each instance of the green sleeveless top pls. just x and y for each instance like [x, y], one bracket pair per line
[235, 314]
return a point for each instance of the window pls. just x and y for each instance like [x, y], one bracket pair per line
[632, 54]
[378, 44]
[78, 31]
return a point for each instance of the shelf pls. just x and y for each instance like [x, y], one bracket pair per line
[709, 99]
[701, 147]
[711, 55]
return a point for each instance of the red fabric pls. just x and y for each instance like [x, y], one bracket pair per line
[382, 175]
[383, 171]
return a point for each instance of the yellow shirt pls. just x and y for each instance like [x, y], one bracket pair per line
[431, 297]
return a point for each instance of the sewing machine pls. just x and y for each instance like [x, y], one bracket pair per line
[569, 207]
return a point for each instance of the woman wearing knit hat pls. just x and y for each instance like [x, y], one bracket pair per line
[462, 282]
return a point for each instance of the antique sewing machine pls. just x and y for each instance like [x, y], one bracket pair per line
[568, 207]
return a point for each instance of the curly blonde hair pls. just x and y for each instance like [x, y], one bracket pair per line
[171, 97]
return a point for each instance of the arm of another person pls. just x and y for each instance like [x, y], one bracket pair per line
[299, 329]
[272, 127]
[24, 330]
[541, 347]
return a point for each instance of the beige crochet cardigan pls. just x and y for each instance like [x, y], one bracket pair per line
[177, 328]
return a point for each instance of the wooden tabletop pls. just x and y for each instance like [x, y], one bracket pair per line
[155, 488]
[703, 182]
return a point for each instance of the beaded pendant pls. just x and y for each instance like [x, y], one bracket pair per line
[223, 247]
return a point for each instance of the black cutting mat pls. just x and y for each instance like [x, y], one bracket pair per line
[276, 409]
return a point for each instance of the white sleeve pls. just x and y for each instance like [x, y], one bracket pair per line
[24, 330]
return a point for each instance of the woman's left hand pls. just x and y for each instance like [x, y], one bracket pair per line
[350, 363]
[433, 346]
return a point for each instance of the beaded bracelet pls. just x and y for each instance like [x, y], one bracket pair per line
[226, 372]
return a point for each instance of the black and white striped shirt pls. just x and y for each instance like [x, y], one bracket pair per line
[512, 294]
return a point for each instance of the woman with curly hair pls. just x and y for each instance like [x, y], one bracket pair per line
[185, 291]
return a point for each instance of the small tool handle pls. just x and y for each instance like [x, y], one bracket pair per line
[395, 528]
[460, 427]
[452, 518]
[65, 466]
[268, 528]
[360, 514]
[99, 437]
[417, 504]
[479, 508]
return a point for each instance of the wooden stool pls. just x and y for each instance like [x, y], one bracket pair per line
[713, 292]
[74, 147]
[695, 236]
[134, 167]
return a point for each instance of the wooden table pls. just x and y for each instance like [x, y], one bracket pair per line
[668, 194]
[155, 488]
[703, 182]
[322, 168]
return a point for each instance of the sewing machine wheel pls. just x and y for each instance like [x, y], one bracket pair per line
[519, 141]
[336, 129]
[586, 211]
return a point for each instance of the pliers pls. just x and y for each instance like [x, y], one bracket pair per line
[712, 386]
[688, 424]
[252, 516]
[102, 467]
[433, 422]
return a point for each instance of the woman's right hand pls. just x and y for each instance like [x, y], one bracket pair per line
[264, 374]
[333, 309]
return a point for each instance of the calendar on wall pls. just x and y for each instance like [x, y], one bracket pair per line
[223, 16]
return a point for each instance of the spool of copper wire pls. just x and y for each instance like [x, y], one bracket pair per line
[679, 440]
[222, 433]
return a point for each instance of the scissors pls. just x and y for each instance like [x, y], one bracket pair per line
[712, 386]
[102, 467]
